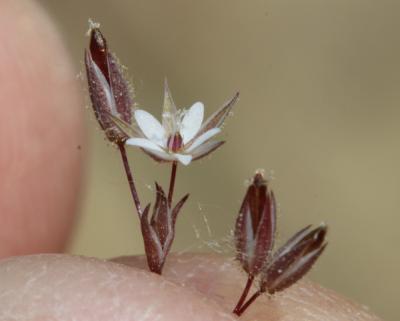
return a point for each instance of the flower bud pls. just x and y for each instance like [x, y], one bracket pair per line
[293, 260]
[255, 226]
[110, 92]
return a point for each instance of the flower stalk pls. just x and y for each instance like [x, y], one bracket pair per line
[243, 297]
[129, 176]
[239, 311]
[172, 182]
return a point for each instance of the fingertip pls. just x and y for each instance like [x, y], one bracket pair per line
[41, 132]
[63, 287]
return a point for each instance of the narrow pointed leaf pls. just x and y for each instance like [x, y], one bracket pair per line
[171, 235]
[156, 206]
[177, 208]
[161, 220]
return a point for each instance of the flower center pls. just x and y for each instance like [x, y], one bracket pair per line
[175, 142]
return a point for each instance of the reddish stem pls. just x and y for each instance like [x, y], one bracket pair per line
[248, 303]
[246, 290]
[129, 176]
[172, 183]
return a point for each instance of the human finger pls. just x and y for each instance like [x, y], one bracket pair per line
[41, 132]
[62, 287]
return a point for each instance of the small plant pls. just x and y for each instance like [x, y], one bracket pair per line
[180, 138]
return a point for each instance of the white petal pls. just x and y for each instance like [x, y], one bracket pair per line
[184, 159]
[151, 127]
[144, 143]
[205, 149]
[203, 138]
[191, 122]
[160, 156]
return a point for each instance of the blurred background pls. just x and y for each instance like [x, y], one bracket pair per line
[319, 111]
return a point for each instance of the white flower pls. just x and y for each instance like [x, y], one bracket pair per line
[182, 136]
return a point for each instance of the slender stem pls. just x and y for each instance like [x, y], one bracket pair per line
[172, 183]
[129, 176]
[248, 303]
[246, 290]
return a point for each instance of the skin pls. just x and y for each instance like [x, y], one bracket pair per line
[41, 167]
[40, 131]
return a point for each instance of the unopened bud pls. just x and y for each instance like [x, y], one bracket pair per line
[255, 226]
[110, 92]
[293, 260]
